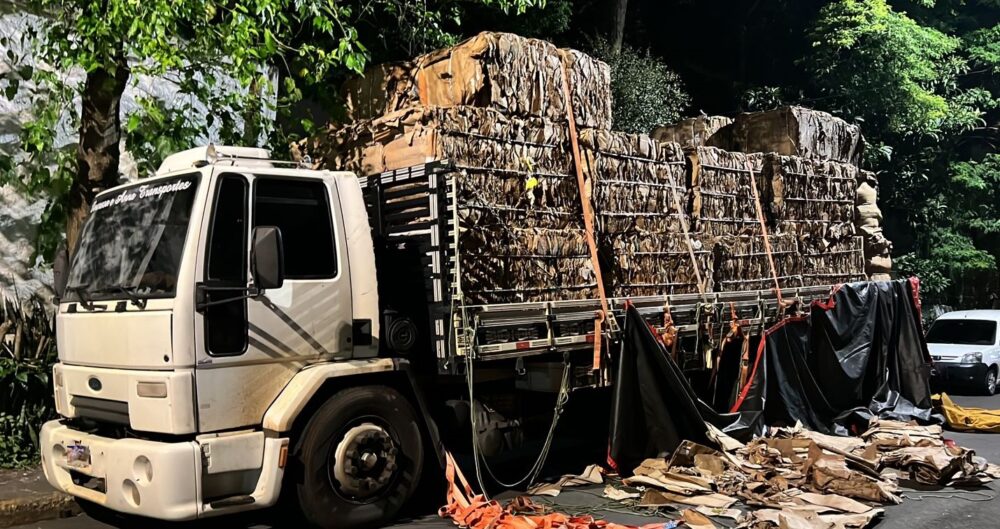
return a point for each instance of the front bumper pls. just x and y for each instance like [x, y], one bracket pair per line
[148, 478]
[953, 373]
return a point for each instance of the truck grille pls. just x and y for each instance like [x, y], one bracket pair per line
[112, 411]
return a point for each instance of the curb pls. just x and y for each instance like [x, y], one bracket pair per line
[20, 511]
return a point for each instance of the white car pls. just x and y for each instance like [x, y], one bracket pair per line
[965, 348]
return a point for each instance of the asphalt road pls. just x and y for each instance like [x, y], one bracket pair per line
[938, 509]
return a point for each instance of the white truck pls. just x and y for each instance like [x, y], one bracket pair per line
[223, 338]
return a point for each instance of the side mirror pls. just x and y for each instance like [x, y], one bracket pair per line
[267, 259]
[60, 271]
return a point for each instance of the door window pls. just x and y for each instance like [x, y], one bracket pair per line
[226, 270]
[301, 210]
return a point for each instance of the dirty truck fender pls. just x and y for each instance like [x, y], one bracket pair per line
[308, 383]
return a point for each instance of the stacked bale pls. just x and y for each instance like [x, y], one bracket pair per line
[741, 262]
[384, 88]
[634, 180]
[495, 108]
[504, 264]
[809, 188]
[691, 132]
[518, 204]
[502, 71]
[811, 199]
[841, 262]
[650, 264]
[639, 192]
[723, 200]
[792, 131]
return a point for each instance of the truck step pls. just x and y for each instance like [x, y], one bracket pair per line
[232, 501]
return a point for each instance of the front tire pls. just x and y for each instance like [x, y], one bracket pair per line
[989, 384]
[359, 459]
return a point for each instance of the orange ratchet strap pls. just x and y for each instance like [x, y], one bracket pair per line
[763, 230]
[474, 511]
[588, 218]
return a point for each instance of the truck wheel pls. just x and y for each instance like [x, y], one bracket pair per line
[360, 458]
[990, 381]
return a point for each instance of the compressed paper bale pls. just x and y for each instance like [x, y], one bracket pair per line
[503, 264]
[723, 202]
[691, 132]
[500, 70]
[650, 264]
[512, 74]
[468, 136]
[590, 88]
[631, 176]
[741, 262]
[792, 131]
[810, 198]
[509, 170]
[382, 89]
[841, 262]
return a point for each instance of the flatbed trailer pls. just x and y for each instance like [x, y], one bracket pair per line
[412, 212]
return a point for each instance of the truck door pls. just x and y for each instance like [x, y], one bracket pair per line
[248, 349]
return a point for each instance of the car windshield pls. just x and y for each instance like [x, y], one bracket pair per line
[963, 332]
[131, 244]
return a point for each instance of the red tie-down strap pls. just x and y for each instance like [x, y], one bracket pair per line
[474, 511]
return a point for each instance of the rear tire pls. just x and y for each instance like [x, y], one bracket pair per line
[989, 384]
[359, 459]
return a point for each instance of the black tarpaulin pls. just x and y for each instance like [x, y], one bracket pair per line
[857, 355]
[654, 407]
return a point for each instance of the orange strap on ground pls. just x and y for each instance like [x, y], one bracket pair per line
[474, 511]
[588, 217]
[763, 230]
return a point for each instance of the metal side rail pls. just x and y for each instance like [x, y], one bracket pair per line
[524, 329]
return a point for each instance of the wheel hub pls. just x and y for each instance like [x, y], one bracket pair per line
[364, 461]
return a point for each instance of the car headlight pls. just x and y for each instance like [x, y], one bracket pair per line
[972, 358]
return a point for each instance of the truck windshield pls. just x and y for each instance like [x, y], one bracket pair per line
[964, 332]
[131, 244]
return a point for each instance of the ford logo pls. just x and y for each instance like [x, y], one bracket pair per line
[94, 383]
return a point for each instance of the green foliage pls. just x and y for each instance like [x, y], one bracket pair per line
[416, 27]
[761, 98]
[233, 65]
[917, 90]
[646, 92]
[27, 352]
[975, 195]
[549, 20]
[983, 47]
[872, 61]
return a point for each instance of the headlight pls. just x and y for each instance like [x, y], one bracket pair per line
[972, 358]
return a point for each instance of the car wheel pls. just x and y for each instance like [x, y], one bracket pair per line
[359, 459]
[990, 381]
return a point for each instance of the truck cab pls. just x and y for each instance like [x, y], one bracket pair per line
[206, 312]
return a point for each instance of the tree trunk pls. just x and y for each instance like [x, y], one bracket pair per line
[97, 152]
[251, 115]
[618, 25]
